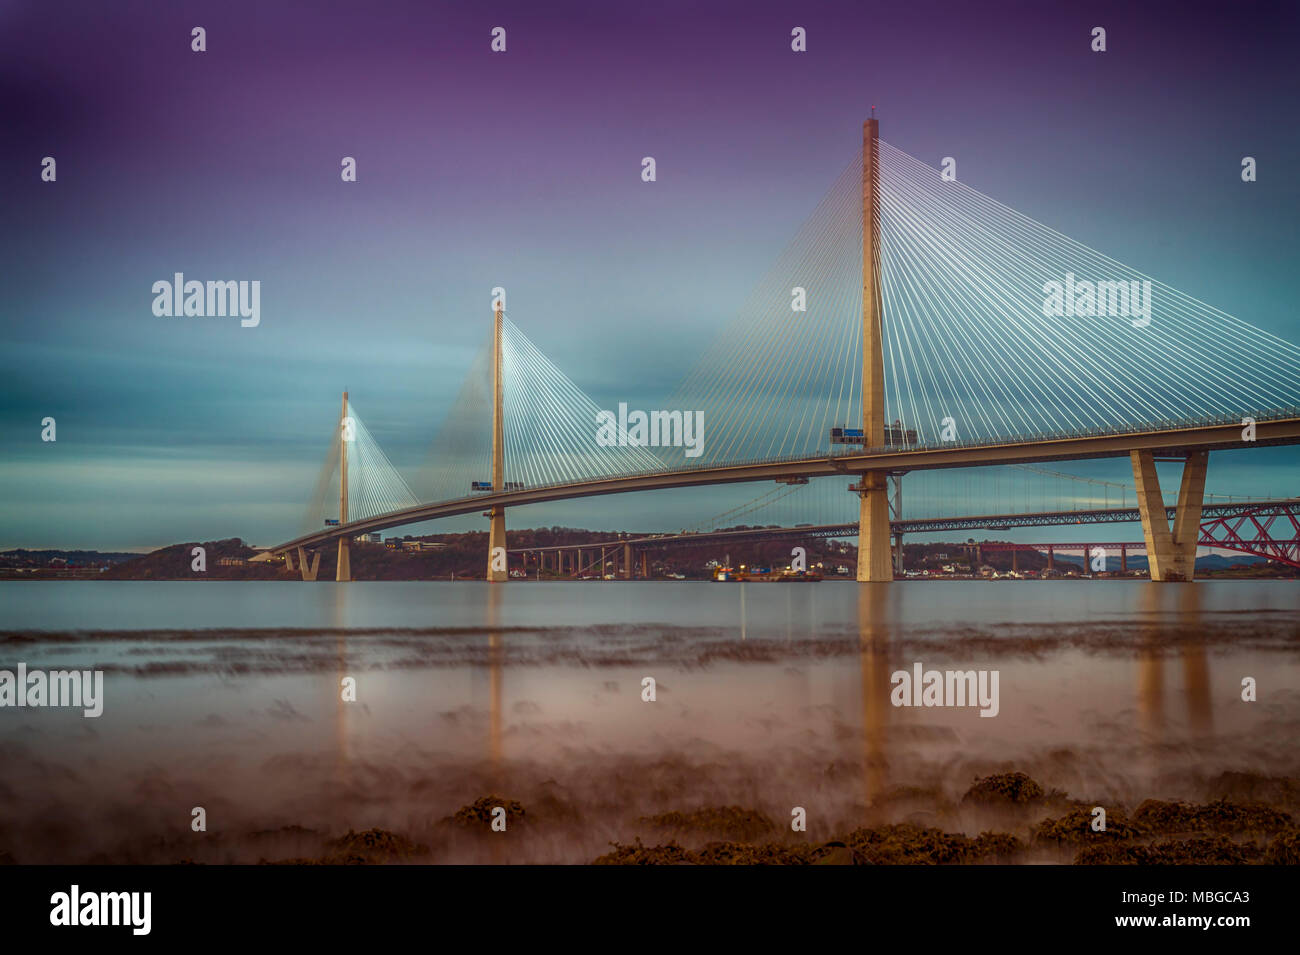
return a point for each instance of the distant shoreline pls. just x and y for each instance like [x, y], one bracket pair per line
[461, 556]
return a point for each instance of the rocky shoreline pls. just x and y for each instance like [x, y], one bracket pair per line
[1251, 822]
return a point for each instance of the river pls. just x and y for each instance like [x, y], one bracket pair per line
[229, 696]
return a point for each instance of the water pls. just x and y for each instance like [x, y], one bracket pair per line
[226, 695]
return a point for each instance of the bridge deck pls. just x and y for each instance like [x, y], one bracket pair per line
[1174, 438]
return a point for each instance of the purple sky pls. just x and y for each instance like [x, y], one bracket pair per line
[479, 169]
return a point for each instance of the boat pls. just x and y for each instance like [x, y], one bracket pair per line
[765, 575]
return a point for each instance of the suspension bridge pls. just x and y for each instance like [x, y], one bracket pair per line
[913, 325]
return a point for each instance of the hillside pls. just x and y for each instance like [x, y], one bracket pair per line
[462, 556]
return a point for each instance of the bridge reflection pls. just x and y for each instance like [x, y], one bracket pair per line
[1165, 629]
[876, 624]
[1171, 614]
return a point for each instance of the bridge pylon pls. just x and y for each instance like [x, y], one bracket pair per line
[896, 514]
[307, 568]
[874, 558]
[1171, 555]
[343, 570]
[497, 570]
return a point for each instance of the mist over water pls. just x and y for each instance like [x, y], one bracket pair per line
[227, 696]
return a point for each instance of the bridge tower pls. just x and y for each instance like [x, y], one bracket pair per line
[344, 568]
[497, 514]
[874, 561]
[1171, 555]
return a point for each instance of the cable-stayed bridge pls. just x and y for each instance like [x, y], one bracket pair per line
[912, 325]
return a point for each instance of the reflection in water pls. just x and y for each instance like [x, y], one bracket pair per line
[799, 600]
[875, 619]
[789, 614]
[1151, 666]
[743, 622]
[1196, 670]
[495, 677]
[495, 652]
[340, 620]
[1159, 605]
[253, 719]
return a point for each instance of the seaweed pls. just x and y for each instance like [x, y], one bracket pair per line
[1207, 850]
[637, 854]
[1004, 788]
[479, 813]
[1155, 815]
[378, 845]
[1284, 849]
[731, 822]
[1076, 827]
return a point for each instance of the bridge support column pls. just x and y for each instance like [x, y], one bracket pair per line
[645, 573]
[627, 561]
[308, 570]
[1123, 559]
[1171, 555]
[497, 571]
[874, 562]
[1187, 517]
[497, 538]
[343, 565]
[1051, 559]
[1015, 560]
[896, 514]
